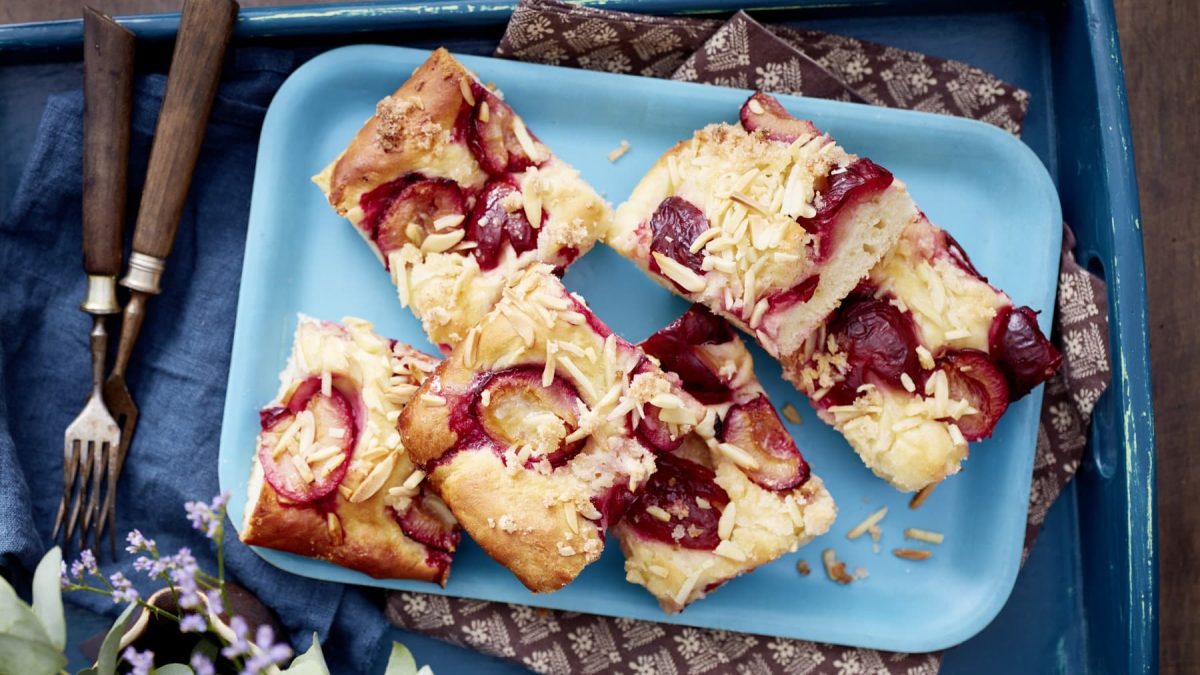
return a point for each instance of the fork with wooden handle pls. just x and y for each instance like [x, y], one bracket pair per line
[204, 31]
[92, 439]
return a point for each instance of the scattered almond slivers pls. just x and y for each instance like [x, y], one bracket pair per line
[913, 553]
[926, 536]
[834, 568]
[867, 523]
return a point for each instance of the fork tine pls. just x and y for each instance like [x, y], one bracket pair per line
[99, 455]
[70, 469]
[85, 471]
[108, 512]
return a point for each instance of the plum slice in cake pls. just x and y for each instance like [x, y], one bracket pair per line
[769, 223]
[454, 195]
[330, 478]
[922, 358]
[539, 427]
[736, 494]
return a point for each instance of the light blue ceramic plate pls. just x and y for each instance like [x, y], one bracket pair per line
[978, 182]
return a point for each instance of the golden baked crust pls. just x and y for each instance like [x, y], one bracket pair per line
[360, 523]
[370, 541]
[760, 522]
[526, 430]
[755, 260]
[446, 266]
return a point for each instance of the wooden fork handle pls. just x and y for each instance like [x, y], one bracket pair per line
[204, 32]
[108, 88]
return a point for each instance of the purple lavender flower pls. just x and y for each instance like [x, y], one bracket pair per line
[208, 517]
[215, 604]
[123, 590]
[268, 653]
[63, 580]
[240, 645]
[88, 560]
[185, 583]
[192, 623]
[201, 665]
[143, 564]
[142, 662]
[137, 542]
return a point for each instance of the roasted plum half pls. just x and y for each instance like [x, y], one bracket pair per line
[515, 409]
[755, 428]
[305, 446]
[681, 505]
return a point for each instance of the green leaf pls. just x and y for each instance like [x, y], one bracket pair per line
[30, 658]
[24, 645]
[311, 662]
[174, 669]
[106, 663]
[47, 598]
[401, 662]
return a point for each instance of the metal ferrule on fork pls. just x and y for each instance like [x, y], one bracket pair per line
[145, 273]
[101, 295]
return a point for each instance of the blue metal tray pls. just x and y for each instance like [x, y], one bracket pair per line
[1091, 579]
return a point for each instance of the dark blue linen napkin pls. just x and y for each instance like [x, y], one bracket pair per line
[180, 367]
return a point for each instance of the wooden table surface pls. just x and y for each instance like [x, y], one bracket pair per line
[1160, 42]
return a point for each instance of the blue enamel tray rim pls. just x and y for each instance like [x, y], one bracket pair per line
[972, 620]
[1120, 578]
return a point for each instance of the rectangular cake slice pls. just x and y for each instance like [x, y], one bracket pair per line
[736, 493]
[922, 358]
[539, 427]
[330, 478]
[454, 195]
[768, 223]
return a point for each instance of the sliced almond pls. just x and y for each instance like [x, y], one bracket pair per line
[440, 242]
[659, 513]
[374, 480]
[464, 86]
[913, 553]
[923, 494]
[927, 536]
[685, 277]
[729, 549]
[727, 521]
[335, 528]
[738, 456]
[617, 152]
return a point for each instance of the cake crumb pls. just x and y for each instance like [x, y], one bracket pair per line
[507, 523]
[618, 151]
[834, 568]
[803, 568]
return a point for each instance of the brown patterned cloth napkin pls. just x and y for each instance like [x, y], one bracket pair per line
[743, 53]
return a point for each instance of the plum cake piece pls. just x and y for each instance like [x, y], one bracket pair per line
[539, 427]
[454, 195]
[736, 493]
[769, 223]
[330, 478]
[921, 359]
